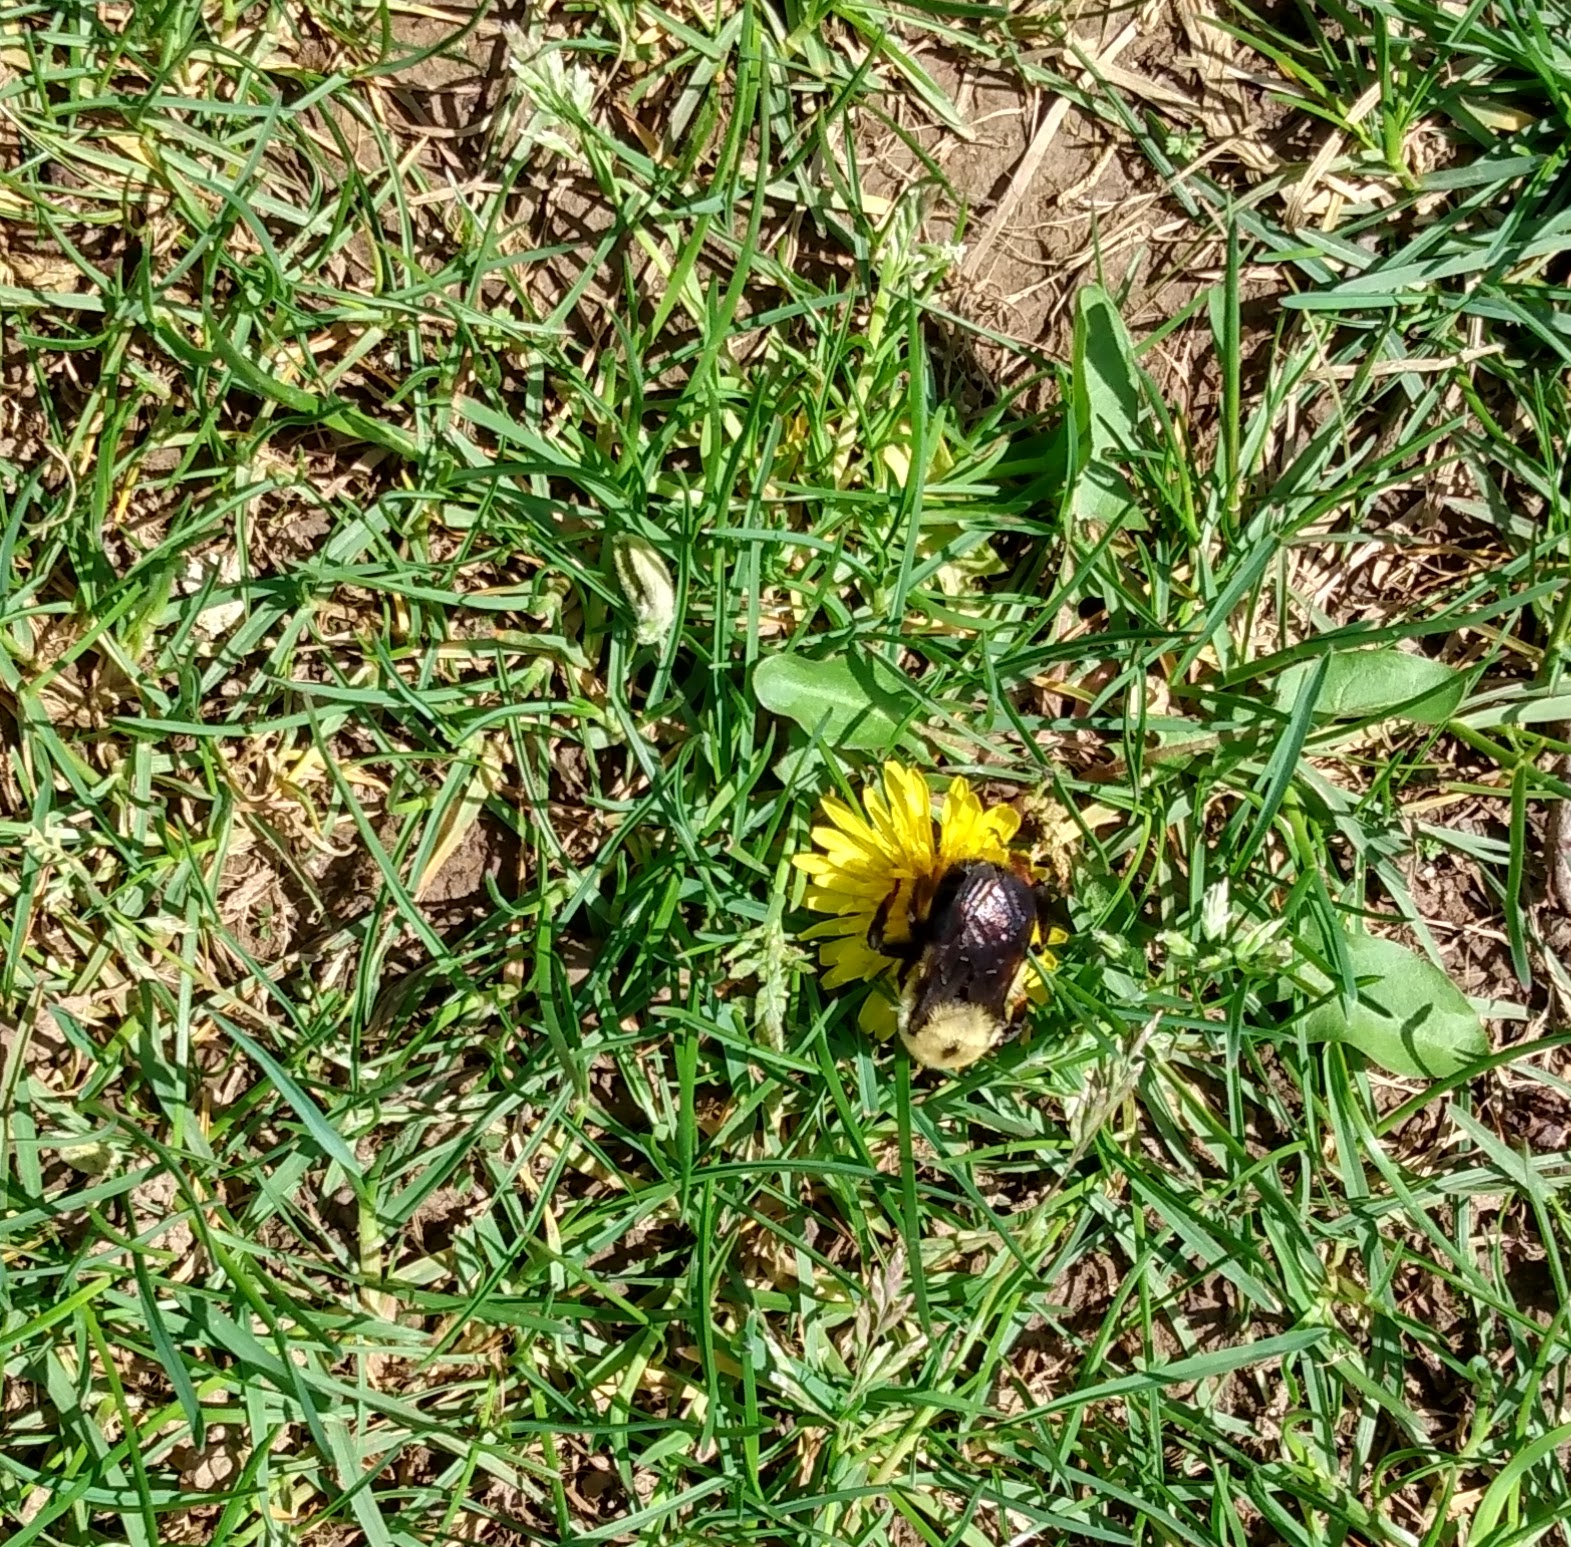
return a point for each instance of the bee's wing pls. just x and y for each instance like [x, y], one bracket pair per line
[971, 976]
[991, 978]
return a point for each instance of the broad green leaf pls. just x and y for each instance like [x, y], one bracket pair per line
[1104, 406]
[1101, 495]
[1106, 386]
[1384, 683]
[1409, 1017]
[849, 703]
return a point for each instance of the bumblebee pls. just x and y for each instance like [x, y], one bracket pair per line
[962, 957]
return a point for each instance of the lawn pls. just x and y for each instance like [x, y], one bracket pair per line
[475, 482]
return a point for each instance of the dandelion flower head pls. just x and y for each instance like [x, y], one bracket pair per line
[892, 852]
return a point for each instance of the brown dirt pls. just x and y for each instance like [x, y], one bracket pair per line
[1049, 195]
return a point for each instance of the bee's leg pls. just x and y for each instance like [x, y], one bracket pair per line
[904, 951]
[1052, 911]
[1052, 915]
[875, 930]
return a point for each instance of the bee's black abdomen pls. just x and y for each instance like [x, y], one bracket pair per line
[976, 938]
[984, 906]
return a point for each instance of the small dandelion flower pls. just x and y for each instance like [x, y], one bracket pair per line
[884, 863]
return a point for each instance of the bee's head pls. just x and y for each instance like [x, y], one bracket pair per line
[951, 1035]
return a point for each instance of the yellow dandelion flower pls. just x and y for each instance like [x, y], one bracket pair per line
[969, 832]
[889, 857]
